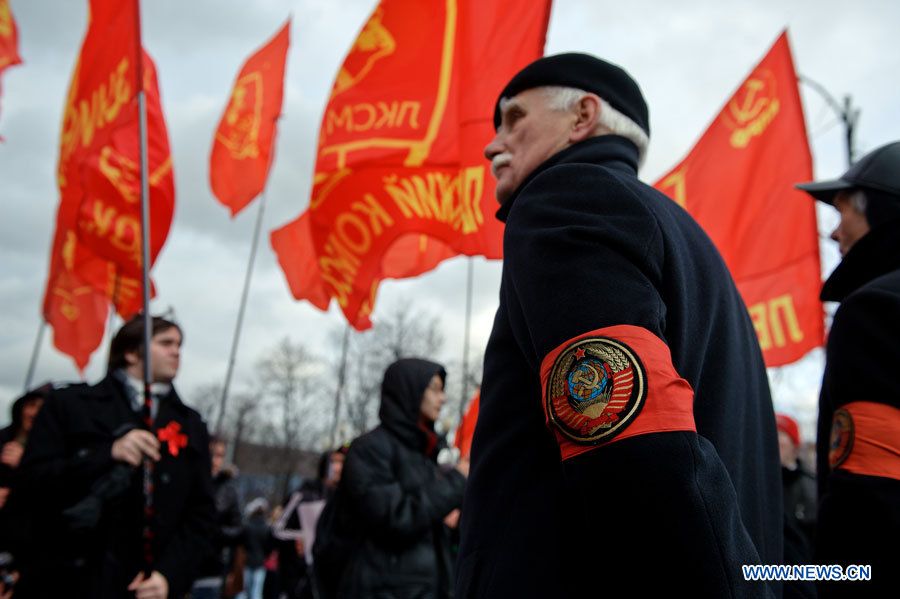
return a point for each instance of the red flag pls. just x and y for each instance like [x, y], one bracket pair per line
[400, 181]
[98, 235]
[241, 153]
[738, 183]
[9, 40]
[466, 430]
[75, 309]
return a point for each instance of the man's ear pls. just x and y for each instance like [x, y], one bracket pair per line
[132, 358]
[587, 113]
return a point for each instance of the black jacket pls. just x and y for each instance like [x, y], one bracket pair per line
[257, 540]
[69, 455]
[591, 250]
[228, 527]
[397, 497]
[859, 514]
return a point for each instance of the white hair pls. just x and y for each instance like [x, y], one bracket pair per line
[610, 121]
[858, 200]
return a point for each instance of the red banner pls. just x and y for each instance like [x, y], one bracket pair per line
[400, 182]
[96, 254]
[738, 183]
[465, 432]
[9, 40]
[242, 148]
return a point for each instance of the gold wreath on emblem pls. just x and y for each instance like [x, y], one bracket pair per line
[243, 118]
[374, 43]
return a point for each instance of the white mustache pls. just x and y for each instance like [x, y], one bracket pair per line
[500, 160]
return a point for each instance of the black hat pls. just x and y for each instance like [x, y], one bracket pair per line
[585, 72]
[878, 170]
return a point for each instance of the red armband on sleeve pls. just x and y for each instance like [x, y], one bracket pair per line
[611, 384]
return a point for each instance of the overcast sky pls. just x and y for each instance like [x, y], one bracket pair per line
[688, 57]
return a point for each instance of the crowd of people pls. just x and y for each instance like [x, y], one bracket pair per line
[626, 442]
[80, 521]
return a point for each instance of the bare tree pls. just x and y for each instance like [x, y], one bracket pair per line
[205, 399]
[401, 333]
[244, 420]
[460, 391]
[289, 375]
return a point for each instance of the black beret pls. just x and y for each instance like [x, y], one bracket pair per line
[584, 72]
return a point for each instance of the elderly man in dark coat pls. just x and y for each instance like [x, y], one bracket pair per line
[626, 442]
[858, 444]
[82, 476]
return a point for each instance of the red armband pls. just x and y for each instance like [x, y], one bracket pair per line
[611, 384]
[865, 439]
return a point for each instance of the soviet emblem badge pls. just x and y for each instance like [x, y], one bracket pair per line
[841, 438]
[596, 388]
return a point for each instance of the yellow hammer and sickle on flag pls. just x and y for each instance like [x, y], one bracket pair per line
[752, 105]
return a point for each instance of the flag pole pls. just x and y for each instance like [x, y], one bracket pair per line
[342, 375]
[34, 354]
[465, 381]
[147, 412]
[244, 296]
[846, 112]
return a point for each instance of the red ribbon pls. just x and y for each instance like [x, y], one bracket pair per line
[172, 435]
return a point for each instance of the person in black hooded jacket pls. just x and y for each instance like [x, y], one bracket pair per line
[395, 494]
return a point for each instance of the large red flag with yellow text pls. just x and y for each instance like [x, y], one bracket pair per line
[400, 180]
[242, 147]
[738, 183]
[9, 40]
[96, 253]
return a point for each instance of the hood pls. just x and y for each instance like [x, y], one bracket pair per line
[42, 392]
[402, 389]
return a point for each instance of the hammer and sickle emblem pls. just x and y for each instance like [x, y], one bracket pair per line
[588, 376]
[752, 104]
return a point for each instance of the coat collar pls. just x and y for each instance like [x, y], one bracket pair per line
[610, 151]
[110, 389]
[874, 255]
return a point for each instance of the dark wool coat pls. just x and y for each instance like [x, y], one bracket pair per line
[397, 497]
[68, 455]
[619, 331]
[859, 508]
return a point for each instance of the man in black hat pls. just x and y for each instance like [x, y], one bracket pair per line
[82, 477]
[858, 444]
[626, 441]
